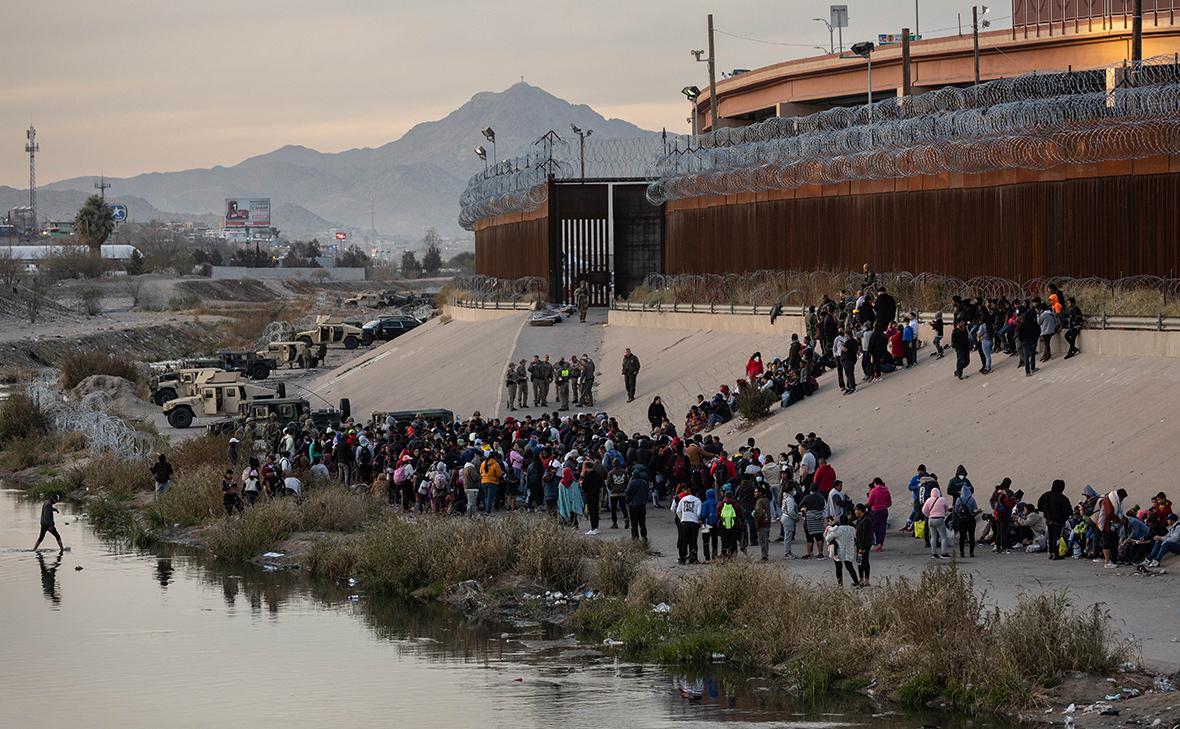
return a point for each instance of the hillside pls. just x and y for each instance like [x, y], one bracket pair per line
[411, 182]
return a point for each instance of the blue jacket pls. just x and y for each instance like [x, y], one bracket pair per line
[709, 508]
[915, 487]
[638, 490]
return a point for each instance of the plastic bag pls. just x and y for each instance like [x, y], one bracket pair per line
[919, 530]
[1062, 547]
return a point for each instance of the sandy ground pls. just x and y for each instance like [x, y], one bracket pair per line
[1102, 420]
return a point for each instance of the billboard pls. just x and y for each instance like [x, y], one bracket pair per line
[247, 212]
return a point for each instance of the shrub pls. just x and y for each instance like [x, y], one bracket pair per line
[754, 404]
[258, 529]
[77, 366]
[615, 571]
[207, 449]
[90, 301]
[28, 452]
[195, 497]
[22, 417]
[184, 303]
[333, 558]
[334, 509]
[112, 474]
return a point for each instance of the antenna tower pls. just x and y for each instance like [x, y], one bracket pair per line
[32, 148]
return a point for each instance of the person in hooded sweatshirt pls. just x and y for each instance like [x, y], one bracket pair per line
[731, 522]
[935, 511]
[688, 519]
[964, 512]
[710, 536]
[1055, 507]
[864, 542]
[789, 517]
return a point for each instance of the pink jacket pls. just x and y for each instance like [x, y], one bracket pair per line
[879, 497]
[935, 506]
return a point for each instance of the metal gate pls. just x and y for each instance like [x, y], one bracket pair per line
[638, 239]
[580, 242]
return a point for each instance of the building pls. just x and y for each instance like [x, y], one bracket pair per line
[1063, 161]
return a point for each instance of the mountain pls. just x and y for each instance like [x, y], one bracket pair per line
[412, 182]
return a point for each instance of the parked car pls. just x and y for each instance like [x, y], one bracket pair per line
[387, 328]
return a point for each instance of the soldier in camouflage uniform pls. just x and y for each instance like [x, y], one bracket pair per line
[510, 385]
[547, 378]
[575, 375]
[522, 385]
[561, 374]
[582, 300]
[586, 397]
[536, 374]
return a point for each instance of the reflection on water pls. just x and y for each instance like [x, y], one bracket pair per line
[172, 639]
[49, 577]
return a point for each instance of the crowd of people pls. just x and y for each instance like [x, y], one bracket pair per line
[582, 466]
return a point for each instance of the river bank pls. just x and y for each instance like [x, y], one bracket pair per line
[812, 640]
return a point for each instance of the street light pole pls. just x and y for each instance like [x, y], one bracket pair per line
[712, 77]
[975, 38]
[831, 34]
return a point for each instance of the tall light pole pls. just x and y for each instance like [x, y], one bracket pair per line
[712, 76]
[691, 93]
[865, 51]
[581, 147]
[975, 13]
[490, 135]
[831, 36]
[482, 154]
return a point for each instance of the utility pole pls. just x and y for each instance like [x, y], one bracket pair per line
[975, 38]
[712, 77]
[102, 185]
[1137, 35]
[917, 27]
[32, 148]
[905, 60]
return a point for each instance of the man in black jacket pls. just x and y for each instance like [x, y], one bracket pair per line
[1073, 323]
[1028, 332]
[638, 492]
[961, 343]
[886, 308]
[1054, 504]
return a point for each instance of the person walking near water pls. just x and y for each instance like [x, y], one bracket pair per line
[162, 474]
[630, 373]
[47, 525]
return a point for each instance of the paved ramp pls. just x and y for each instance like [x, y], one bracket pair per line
[458, 365]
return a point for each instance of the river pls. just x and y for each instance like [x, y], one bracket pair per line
[106, 637]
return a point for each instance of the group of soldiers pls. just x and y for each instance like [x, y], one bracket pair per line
[574, 378]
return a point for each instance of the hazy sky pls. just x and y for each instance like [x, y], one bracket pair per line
[124, 87]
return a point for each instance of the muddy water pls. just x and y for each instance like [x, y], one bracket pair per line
[170, 639]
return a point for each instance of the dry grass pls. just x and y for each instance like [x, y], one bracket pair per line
[77, 366]
[401, 556]
[21, 417]
[195, 497]
[917, 638]
[258, 529]
[207, 449]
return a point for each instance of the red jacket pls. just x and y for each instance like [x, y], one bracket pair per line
[824, 478]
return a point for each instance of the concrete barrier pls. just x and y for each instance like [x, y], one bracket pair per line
[288, 274]
[464, 313]
[1122, 342]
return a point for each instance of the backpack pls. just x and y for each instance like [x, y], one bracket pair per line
[366, 457]
[728, 516]
[821, 449]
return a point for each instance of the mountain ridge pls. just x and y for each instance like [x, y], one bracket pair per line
[412, 182]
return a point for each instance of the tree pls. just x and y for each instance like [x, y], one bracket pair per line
[94, 223]
[313, 249]
[135, 264]
[463, 262]
[432, 254]
[352, 258]
[410, 266]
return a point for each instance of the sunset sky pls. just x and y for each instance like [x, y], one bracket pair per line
[123, 87]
